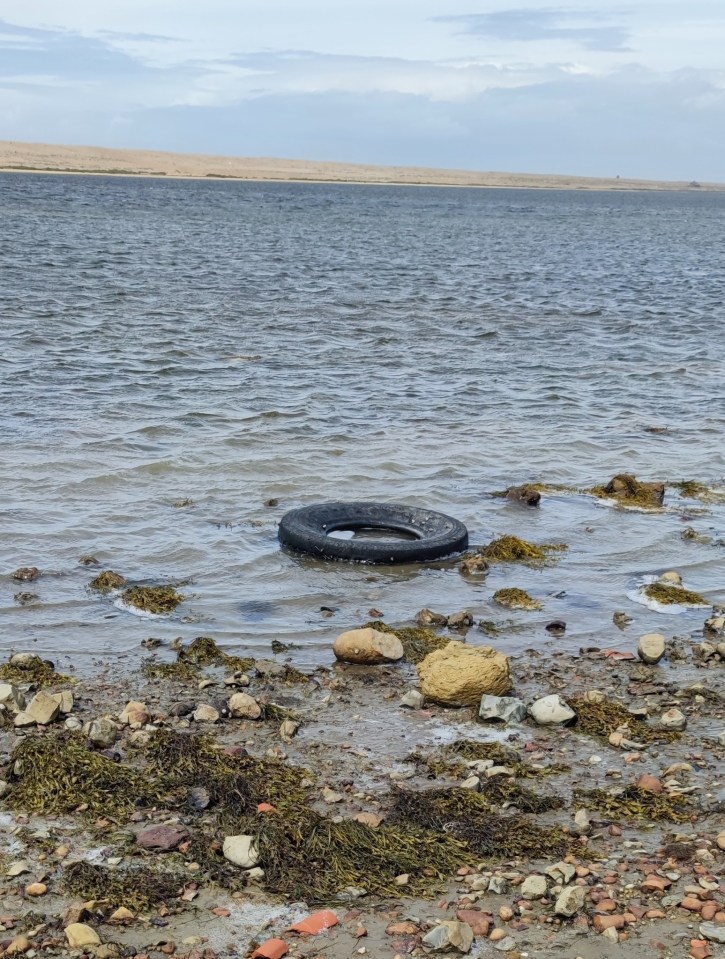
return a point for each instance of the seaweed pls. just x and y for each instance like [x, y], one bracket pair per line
[203, 651]
[668, 594]
[32, 671]
[137, 888]
[179, 671]
[600, 720]
[634, 803]
[417, 641]
[60, 774]
[693, 489]
[184, 503]
[511, 549]
[466, 815]
[158, 600]
[107, 581]
[626, 488]
[515, 598]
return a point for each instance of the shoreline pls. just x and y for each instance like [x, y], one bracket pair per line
[27, 158]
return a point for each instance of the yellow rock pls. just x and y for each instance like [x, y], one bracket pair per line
[19, 945]
[459, 675]
[36, 889]
[79, 936]
[368, 647]
[121, 915]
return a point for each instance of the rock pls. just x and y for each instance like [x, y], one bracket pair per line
[80, 936]
[581, 821]
[64, 700]
[713, 931]
[673, 719]
[480, 922]
[102, 732]
[18, 946]
[650, 784]
[534, 887]
[450, 936]
[721, 840]
[330, 796]
[551, 711]
[122, 914]
[11, 697]
[413, 699]
[671, 578]
[651, 648]
[473, 782]
[36, 889]
[241, 850]
[561, 872]
[610, 934]
[244, 706]
[368, 819]
[4, 788]
[426, 617]
[162, 838]
[498, 885]
[288, 729]
[182, 709]
[507, 944]
[369, 647]
[570, 901]
[506, 709]
[594, 696]
[460, 620]
[715, 626]
[474, 565]
[525, 495]
[459, 675]
[204, 713]
[135, 714]
[556, 626]
[42, 709]
[26, 574]
[269, 668]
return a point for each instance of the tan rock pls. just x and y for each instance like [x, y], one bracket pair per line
[19, 945]
[42, 709]
[135, 713]
[121, 915]
[651, 648]
[11, 697]
[650, 784]
[204, 713]
[80, 936]
[369, 647]
[459, 675]
[36, 889]
[244, 706]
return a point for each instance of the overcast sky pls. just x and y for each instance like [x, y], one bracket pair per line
[635, 90]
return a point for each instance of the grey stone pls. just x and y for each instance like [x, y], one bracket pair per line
[427, 617]
[505, 945]
[533, 887]
[651, 648]
[460, 620]
[162, 838]
[673, 719]
[506, 709]
[449, 936]
[551, 711]
[561, 872]
[413, 699]
[101, 732]
[712, 931]
[206, 714]
[498, 885]
[570, 901]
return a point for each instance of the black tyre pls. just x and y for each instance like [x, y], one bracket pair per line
[433, 535]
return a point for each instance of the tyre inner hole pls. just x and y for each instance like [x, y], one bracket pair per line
[383, 534]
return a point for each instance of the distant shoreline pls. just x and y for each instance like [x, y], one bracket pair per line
[25, 158]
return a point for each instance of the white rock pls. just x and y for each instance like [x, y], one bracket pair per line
[242, 851]
[42, 709]
[11, 697]
[611, 934]
[244, 706]
[204, 713]
[533, 887]
[551, 711]
[473, 782]
[651, 648]
[581, 821]
[449, 936]
[80, 936]
[674, 719]
[671, 578]
[570, 901]
[368, 647]
[413, 699]
[494, 771]
[506, 709]
[64, 700]
[561, 871]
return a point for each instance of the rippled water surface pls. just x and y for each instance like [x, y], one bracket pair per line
[232, 343]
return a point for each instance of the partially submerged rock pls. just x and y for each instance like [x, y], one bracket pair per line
[369, 647]
[671, 594]
[628, 490]
[514, 598]
[107, 581]
[26, 574]
[526, 495]
[459, 675]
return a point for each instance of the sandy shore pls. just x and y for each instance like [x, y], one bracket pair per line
[49, 158]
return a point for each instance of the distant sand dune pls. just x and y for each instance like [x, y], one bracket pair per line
[47, 158]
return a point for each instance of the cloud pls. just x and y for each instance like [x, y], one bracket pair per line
[580, 28]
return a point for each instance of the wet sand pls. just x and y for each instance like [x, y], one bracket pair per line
[354, 740]
[50, 158]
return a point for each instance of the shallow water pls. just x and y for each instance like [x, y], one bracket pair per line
[232, 343]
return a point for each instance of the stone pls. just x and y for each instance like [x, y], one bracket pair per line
[582, 823]
[368, 819]
[11, 697]
[651, 648]
[721, 840]
[525, 495]
[413, 699]
[610, 934]
[507, 944]
[562, 872]
[162, 838]
[122, 914]
[36, 889]
[135, 714]
[81, 936]
[427, 617]
[288, 729]
[551, 711]
[460, 620]
[450, 936]
[204, 713]
[102, 732]
[472, 782]
[713, 931]
[673, 719]
[480, 922]
[64, 700]
[368, 647]
[26, 574]
[460, 675]
[505, 709]
[330, 796]
[4, 788]
[533, 887]
[18, 946]
[570, 901]
[182, 709]
[671, 578]
[241, 850]
[498, 885]
[42, 709]
[715, 625]
[650, 784]
[244, 706]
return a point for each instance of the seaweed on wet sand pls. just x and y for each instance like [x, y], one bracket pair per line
[512, 549]
[203, 651]
[417, 641]
[135, 888]
[514, 598]
[107, 581]
[159, 600]
[631, 802]
[600, 720]
[668, 594]
[31, 670]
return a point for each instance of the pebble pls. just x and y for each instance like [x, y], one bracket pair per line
[330, 796]
[36, 889]
[721, 840]
[551, 711]
[651, 648]
[673, 719]
[134, 713]
[570, 901]
[241, 850]
[650, 784]
[413, 699]
[498, 885]
[505, 945]
[244, 706]
[162, 838]
[207, 714]
[581, 821]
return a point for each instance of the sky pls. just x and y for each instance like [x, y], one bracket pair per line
[636, 89]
